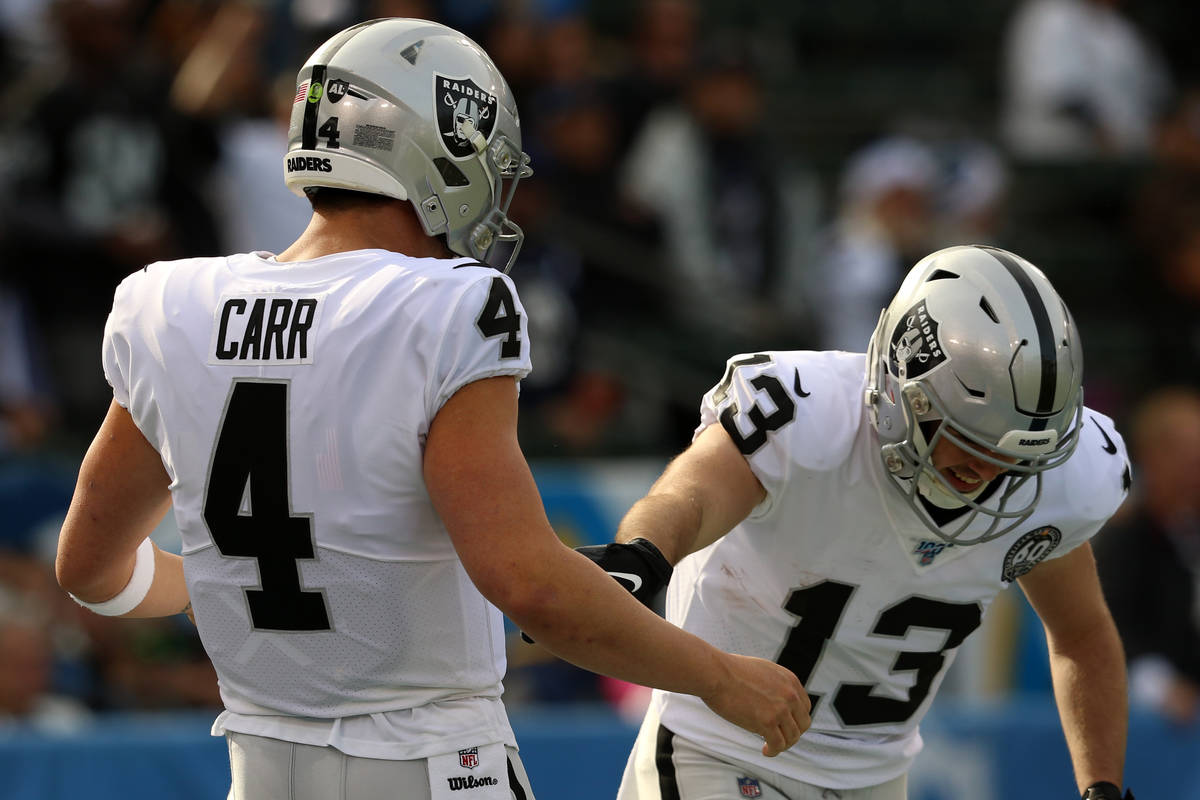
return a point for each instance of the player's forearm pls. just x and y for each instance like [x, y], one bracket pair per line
[167, 594]
[1089, 687]
[583, 616]
[671, 521]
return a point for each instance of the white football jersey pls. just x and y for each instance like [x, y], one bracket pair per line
[290, 403]
[834, 575]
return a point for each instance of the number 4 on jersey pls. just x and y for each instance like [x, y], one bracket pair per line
[252, 456]
[499, 317]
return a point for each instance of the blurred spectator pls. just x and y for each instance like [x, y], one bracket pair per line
[1179, 135]
[103, 177]
[1166, 297]
[155, 665]
[25, 404]
[255, 209]
[513, 42]
[884, 225]
[971, 198]
[224, 80]
[26, 36]
[1081, 81]
[1149, 557]
[26, 669]
[34, 490]
[584, 248]
[660, 60]
[567, 48]
[736, 209]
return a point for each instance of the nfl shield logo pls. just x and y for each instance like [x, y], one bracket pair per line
[469, 758]
[749, 787]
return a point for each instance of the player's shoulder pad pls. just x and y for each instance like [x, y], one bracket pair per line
[467, 273]
[807, 403]
[1096, 478]
[142, 285]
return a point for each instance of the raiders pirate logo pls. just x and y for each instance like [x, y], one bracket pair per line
[916, 348]
[462, 107]
[1029, 551]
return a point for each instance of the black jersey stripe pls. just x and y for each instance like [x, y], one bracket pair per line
[668, 785]
[1045, 334]
[514, 783]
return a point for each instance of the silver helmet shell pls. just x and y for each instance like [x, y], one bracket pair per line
[978, 342]
[414, 110]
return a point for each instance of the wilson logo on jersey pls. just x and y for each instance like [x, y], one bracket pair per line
[1029, 551]
[264, 330]
[471, 782]
[915, 345]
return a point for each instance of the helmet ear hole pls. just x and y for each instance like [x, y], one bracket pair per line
[451, 174]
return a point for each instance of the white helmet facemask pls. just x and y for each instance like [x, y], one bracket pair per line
[978, 347]
[413, 110]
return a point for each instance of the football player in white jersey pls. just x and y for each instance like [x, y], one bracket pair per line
[852, 516]
[335, 429]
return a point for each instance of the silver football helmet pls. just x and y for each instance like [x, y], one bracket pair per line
[977, 348]
[414, 110]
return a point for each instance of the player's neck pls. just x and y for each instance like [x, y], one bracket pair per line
[390, 227]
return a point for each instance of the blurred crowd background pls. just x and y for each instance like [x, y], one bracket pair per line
[710, 178]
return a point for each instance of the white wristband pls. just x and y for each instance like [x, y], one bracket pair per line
[134, 592]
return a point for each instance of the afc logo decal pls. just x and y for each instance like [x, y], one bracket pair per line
[336, 90]
[462, 108]
[1029, 551]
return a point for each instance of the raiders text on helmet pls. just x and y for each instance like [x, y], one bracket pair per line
[976, 347]
[413, 110]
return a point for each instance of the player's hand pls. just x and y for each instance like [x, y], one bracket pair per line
[765, 699]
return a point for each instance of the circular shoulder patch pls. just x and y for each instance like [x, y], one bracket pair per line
[1029, 551]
